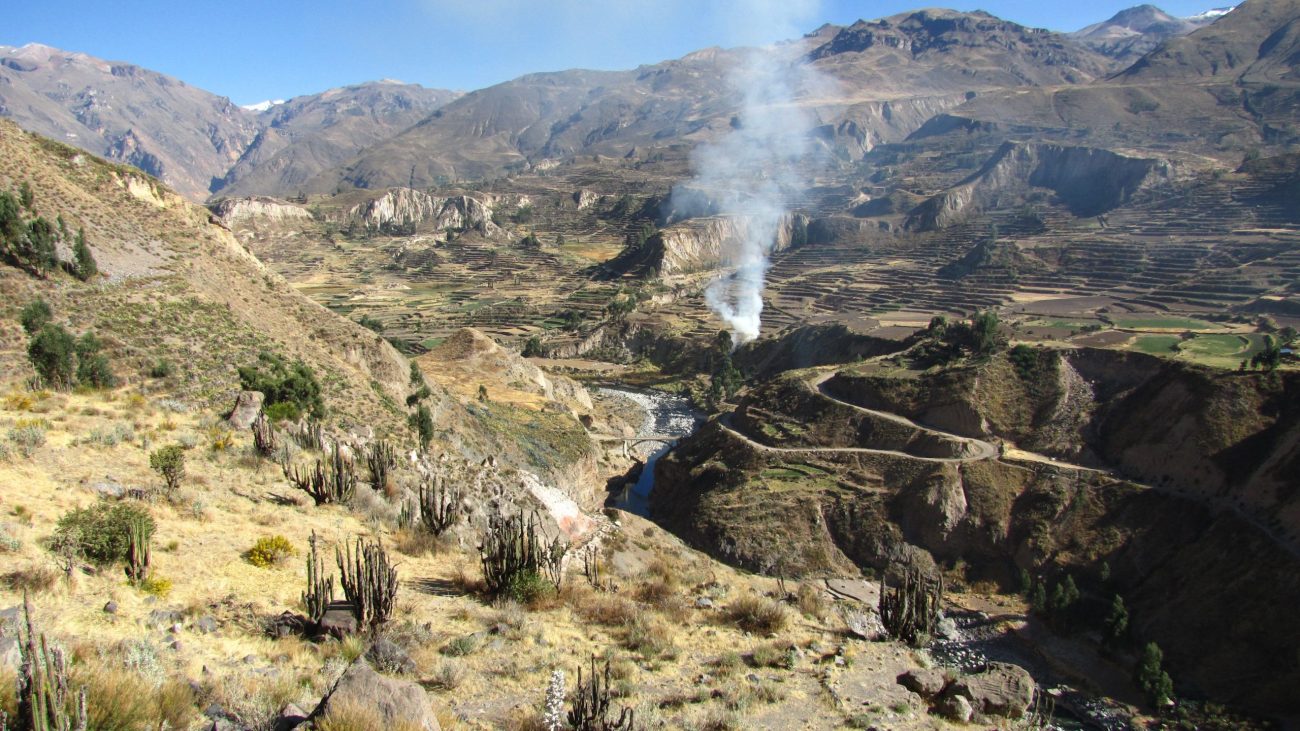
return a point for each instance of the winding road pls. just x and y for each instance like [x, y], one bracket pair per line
[974, 449]
[981, 450]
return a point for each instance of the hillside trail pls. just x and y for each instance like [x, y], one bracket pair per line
[982, 450]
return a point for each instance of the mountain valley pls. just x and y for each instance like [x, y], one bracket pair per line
[1025, 377]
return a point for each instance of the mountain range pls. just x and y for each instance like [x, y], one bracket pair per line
[885, 79]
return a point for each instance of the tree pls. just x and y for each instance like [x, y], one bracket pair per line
[1116, 624]
[51, 352]
[92, 366]
[984, 332]
[169, 462]
[1155, 683]
[84, 265]
[533, 347]
[1270, 357]
[25, 195]
[422, 424]
[417, 375]
[35, 315]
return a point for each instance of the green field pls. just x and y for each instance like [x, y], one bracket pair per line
[1225, 351]
[1163, 323]
[1156, 344]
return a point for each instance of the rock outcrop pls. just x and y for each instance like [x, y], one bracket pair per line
[701, 245]
[402, 208]
[389, 701]
[259, 209]
[1090, 181]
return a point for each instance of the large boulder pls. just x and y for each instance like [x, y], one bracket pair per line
[248, 404]
[923, 682]
[390, 701]
[338, 621]
[1001, 690]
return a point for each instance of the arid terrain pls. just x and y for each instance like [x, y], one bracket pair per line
[1016, 444]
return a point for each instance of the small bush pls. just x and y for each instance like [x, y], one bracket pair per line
[156, 585]
[9, 543]
[99, 533]
[528, 588]
[757, 615]
[162, 369]
[27, 436]
[649, 638]
[270, 551]
[31, 580]
[461, 646]
[169, 462]
[447, 676]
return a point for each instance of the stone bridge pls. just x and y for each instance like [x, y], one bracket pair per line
[630, 442]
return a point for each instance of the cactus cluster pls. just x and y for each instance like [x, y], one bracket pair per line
[514, 547]
[139, 532]
[381, 459]
[439, 504]
[591, 704]
[265, 440]
[911, 611]
[45, 700]
[320, 588]
[369, 582]
[332, 481]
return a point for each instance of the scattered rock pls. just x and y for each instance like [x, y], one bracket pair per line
[388, 657]
[108, 490]
[248, 404]
[206, 625]
[288, 624]
[394, 701]
[160, 618]
[704, 603]
[110, 608]
[956, 708]
[338, 620]
[865, 625]
[1001, 690]
[10, 616]
[290, 718]
[926, 683]
[10, 657]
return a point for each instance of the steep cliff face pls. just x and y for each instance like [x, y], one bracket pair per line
[1089, 181]
[403, 207]
[700, 245]
[259, 208]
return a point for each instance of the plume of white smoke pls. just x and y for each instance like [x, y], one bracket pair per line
[754, 172]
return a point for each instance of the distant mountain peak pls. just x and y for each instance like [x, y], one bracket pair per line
[263, 105]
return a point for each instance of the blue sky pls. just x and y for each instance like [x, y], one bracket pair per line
[253, 50]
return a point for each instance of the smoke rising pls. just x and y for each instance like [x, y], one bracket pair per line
[754, 172]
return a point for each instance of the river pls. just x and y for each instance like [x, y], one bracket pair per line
[665, 415]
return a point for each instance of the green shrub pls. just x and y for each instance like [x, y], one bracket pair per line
[84, 266]
[52, 352]
[28, 435]
[162, 369]
[292, 385]
[92, 366]
[100, 532]
[35, 316]
[169, 462]
[156, 585]
[527, 587]
[270, 551]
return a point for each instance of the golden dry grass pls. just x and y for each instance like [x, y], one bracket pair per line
[659, 641]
